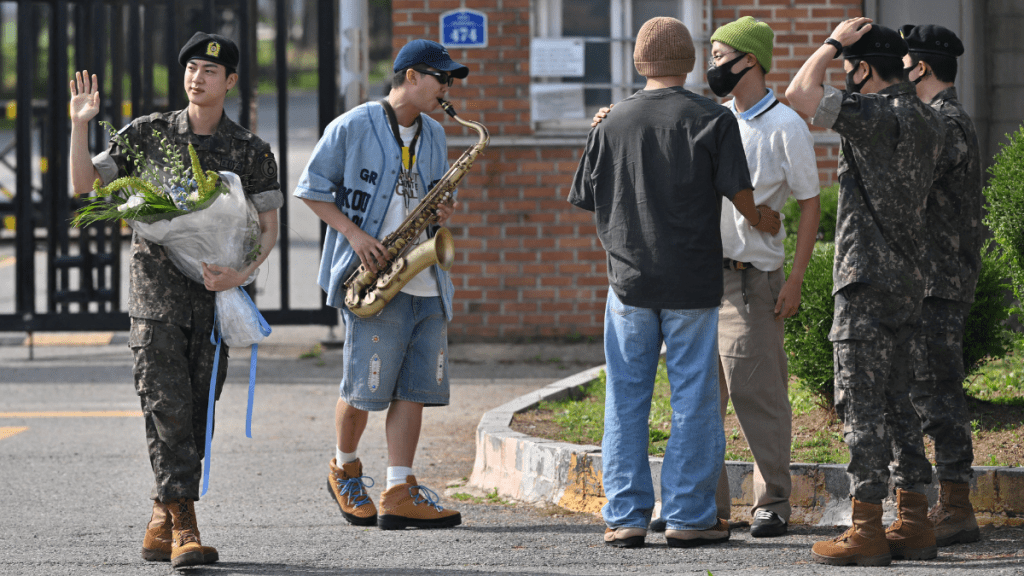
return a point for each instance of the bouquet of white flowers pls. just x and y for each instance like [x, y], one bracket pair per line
[197, 217]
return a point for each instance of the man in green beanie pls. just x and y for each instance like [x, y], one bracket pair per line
[752, 361]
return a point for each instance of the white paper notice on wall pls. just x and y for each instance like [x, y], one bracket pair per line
[556, 57]
[556, 101]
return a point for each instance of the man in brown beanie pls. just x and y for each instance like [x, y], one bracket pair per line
[654, 174]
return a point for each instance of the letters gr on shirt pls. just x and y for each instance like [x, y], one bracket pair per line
[351, 200]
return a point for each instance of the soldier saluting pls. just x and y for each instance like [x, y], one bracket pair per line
[890, 145]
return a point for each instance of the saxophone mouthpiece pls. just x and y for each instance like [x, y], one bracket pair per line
[447, 106]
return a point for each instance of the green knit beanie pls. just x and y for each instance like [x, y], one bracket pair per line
[750, 36]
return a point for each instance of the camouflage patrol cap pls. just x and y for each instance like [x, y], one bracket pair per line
[212, 48]
[878, 41]
[932, 39]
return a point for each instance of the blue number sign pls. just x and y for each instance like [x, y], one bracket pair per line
[464, 29]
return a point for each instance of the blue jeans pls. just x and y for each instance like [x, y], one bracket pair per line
[696, 447]
[399, 354]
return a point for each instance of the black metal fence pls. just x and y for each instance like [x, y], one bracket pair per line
[133, 42]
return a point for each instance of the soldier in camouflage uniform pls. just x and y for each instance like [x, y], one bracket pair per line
[952, 263]
[172, 316]
[890, 145]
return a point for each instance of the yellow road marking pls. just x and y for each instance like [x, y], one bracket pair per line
[70, 339]
[8, 431]
[93, 414]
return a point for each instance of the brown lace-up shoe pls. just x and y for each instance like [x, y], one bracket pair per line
[186, 549]
[911, 536]
[953, 515]
[692, 538]
[411, 505]
[348, 485]
[156, 545]
[862, 545]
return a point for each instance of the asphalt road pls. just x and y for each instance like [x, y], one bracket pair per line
[73, 489]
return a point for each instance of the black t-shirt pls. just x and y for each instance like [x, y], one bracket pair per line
[654, 173]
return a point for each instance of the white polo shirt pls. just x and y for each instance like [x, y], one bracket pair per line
[780, 155]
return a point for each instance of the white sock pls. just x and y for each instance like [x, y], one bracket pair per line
[345, 457]
[397, 475]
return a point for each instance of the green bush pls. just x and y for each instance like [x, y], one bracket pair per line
[829, 198]
[1005, 217]
[807, 343]
[985, 334]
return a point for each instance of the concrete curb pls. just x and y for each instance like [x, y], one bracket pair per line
[540, 471]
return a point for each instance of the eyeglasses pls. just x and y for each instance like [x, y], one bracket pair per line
[713, 61]
[442, 77]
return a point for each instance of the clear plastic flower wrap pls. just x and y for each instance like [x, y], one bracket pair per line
[225, 232]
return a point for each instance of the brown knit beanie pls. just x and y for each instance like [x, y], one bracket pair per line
[663, 48]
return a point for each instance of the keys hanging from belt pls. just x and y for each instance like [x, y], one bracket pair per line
[741, 267]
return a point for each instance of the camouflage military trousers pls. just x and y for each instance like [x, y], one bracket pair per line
[172, 377]
[872, 331]
[937, 388]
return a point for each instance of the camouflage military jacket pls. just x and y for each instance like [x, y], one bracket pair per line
[891, 143]
[158, 291]
[953, 215]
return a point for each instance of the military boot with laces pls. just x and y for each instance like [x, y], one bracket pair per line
[348, 485]
[863, 544]
[911, 536]
[411, 505]
[186, 550]
[953, 515]
[156, 544]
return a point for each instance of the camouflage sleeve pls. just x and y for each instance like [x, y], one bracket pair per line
[264, 189]
[866, 119]
[955, 150]
[114, 162]
[828, 109]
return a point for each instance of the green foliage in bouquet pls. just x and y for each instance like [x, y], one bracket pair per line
[148, 197]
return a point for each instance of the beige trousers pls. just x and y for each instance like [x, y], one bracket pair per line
[753, 373]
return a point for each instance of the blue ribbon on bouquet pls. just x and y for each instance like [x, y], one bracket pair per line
[215, 338]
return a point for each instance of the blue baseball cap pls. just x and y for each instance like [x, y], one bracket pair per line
[430, 53]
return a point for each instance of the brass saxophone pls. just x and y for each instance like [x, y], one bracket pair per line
[368, 291]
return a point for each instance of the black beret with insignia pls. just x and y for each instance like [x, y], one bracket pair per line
[932, 39]
[878, 41]
[210, 47]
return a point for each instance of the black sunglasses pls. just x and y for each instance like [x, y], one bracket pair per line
[442, 77]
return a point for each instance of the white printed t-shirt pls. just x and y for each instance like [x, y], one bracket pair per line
[780, 156]
[424, 283]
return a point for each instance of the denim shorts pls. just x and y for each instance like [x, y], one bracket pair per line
[399, 354]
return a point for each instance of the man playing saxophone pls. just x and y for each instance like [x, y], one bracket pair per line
[370, 170]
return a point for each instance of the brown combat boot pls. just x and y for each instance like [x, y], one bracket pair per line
[862, 545]
[349, 491]
[185, 547]
[411, 505]
[911, 536]
[156, 545]
[953, 515]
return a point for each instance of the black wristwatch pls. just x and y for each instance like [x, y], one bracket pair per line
[835, 44]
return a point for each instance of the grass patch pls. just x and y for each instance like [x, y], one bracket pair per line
[994, 400]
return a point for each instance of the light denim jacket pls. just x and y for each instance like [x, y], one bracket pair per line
[359, 158]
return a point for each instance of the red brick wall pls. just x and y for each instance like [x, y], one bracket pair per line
[528, 264]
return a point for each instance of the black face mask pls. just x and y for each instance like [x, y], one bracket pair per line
[907, 71]
[852, 87]
[722, 80]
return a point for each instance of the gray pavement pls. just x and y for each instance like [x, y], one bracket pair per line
[74, 488]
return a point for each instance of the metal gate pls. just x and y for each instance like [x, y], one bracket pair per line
[127, 40]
